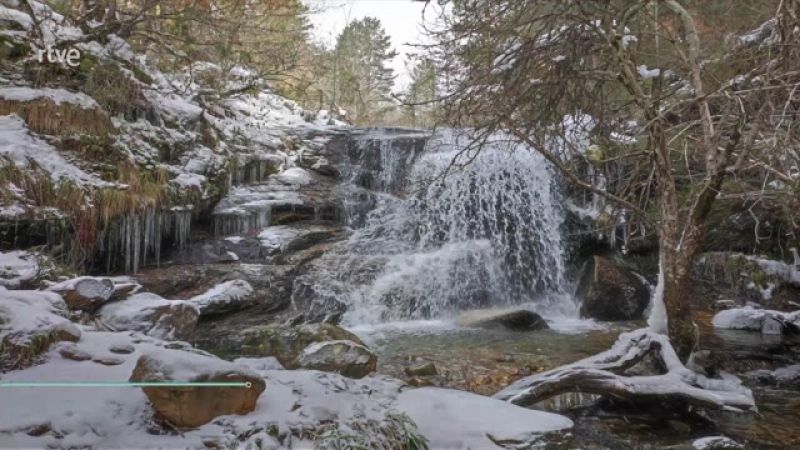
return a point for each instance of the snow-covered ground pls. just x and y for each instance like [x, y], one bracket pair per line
[120, 417]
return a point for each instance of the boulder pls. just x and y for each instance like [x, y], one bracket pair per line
[610, 292]
[225, 297]
[18, 268]
[191, 407]
[510, 319]
[286, 343]
[85, 293]
[343, 357]
[30, 322]
[153, 315]
[422, 370]
[315, 304]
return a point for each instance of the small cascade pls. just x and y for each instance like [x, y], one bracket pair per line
[379, 162]
[456, 236]
[136, 239]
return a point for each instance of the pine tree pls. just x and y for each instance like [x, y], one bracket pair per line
[362, 79]
[421, 94]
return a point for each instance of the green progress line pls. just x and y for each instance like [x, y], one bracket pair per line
[95, 384]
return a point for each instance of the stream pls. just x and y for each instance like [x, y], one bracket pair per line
[419, 228]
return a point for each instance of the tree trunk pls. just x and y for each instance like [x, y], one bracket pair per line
[677, 265]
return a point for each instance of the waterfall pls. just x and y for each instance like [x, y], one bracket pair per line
[451, 229]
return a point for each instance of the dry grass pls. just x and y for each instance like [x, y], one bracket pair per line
[89, 210]
[47, 117]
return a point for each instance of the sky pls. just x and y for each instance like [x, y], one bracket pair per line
[400, 18]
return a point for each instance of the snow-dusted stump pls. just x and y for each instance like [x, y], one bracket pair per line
[763, 320]
[604, 374]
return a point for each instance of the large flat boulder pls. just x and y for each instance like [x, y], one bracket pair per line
[510, 319]
[191, 407]
[153, 315]
[608, 291]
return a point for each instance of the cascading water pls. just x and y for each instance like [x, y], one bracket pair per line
[458, 236]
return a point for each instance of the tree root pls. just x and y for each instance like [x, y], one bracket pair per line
[604, 374]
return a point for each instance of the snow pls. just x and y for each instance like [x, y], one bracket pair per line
[647, 73]
[277, 237]
[296, 176]
[140, 312]
[460, 420]
[189, 366]
[174, 106]
[658, 310]
[749, 318]
[15, 16]
[223, 295]
[189, 180]
[27, 312]
[16, 267]
[715, 442]
[58, 96]
[23, 149]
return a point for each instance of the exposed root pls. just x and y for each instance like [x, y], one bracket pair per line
[604, 374]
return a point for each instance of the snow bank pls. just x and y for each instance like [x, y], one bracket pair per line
[459, 420]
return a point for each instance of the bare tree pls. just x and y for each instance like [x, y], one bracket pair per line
[636, 86]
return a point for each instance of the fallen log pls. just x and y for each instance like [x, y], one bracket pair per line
[604, 374]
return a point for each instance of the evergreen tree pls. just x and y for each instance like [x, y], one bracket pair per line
[362, 78]
[421, 94]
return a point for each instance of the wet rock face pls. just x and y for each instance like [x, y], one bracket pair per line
[610, 292]
[286, 343]
[515, 320]
[343, 357]
[191, 407]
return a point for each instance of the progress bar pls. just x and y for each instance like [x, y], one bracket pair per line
[104, 384]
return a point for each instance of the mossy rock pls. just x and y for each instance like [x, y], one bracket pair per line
[11, 49]
[287, 343]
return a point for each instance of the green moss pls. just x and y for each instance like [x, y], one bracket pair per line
[11, 49]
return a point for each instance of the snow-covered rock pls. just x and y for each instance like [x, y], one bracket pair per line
[85, 293]
[31, 321]
[17, 267]
[225, 297]
[343, 357]
[764, 320]
[716, 443]
[153, 315]
[190, 407]
[288, 343]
